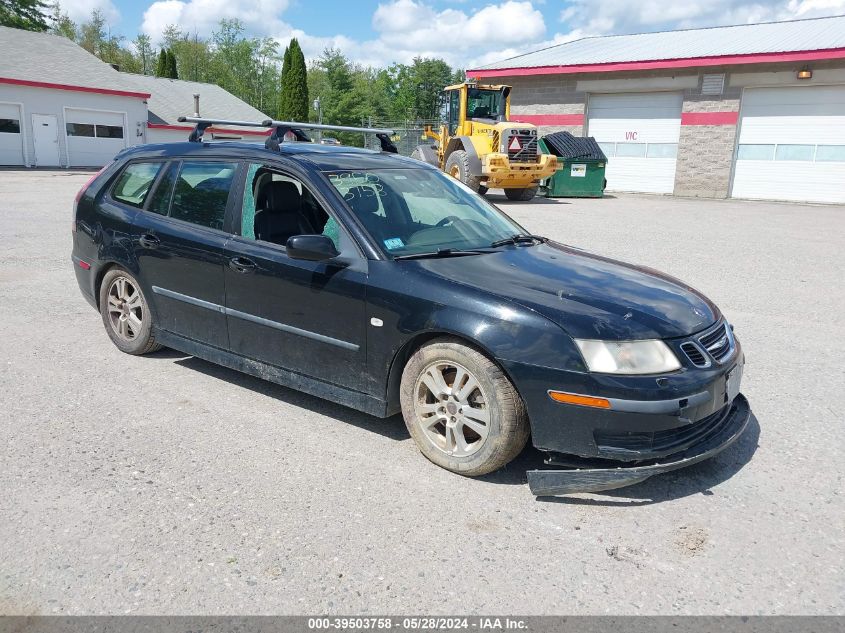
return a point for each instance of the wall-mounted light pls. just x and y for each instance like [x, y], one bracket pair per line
[805, 73]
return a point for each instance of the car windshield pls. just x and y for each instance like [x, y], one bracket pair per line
[415, 211]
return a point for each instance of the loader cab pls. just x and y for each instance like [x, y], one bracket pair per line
[472, 102]
[450, 109]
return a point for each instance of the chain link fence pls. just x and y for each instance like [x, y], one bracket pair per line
[407, 134]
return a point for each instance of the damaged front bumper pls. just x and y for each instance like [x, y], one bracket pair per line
[560, 482]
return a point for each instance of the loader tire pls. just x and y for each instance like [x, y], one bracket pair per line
[457, 166]
[521, 195]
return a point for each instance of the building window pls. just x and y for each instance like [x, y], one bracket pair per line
[631, 149]
[109, 131]
[834, 153]
[795, 152]
[662, 150]
[755, 152]
[90, 130]
[790, 152]
[80, 129]
[10, 126]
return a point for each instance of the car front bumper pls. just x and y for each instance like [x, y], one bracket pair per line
[731, 424]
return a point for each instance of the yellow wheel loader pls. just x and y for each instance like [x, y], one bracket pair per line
[478, 144]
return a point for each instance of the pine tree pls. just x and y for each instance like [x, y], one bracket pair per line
[161, 67]
[284, 106]
[24, 14]
[171, 65]
[297, 84]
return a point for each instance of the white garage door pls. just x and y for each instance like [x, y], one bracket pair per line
[93, 136]
[791, 144]
[639, 133]
[11, 139]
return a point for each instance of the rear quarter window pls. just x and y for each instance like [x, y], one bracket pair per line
[134, 183]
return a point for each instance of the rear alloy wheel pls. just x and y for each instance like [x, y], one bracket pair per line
[462, 411]
[457, 166]
[126, 314]
[522, 195]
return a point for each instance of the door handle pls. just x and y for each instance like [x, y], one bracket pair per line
[242, 264]
[148, 240]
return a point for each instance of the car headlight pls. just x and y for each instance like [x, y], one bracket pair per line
[628, 357]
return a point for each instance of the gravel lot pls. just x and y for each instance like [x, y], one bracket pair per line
[167, 485]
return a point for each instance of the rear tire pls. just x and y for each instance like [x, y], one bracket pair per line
[522, 195]
[482, 190]
[476, 421]
[126, 313]
[457, 166]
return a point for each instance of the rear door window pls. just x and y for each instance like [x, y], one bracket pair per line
[201, 192]
[134, 184]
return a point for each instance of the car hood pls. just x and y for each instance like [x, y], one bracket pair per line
[587, 295]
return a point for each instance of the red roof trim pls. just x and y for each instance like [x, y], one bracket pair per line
[709, 118]
[686, 62]
[549, 119]
[219, 130]
[44, 84]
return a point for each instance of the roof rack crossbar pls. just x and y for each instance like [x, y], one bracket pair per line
[202, 124]
[281, 128]
[382, 134]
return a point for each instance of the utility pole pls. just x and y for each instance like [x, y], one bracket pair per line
[319, 108]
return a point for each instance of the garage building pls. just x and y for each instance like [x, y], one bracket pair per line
[61, 106]
[753, 111]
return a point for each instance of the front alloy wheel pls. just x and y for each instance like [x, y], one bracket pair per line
[462, 411]
[451, 409]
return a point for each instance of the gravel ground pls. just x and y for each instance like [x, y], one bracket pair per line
[167, 485]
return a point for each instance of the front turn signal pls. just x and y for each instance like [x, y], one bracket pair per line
[584, 401]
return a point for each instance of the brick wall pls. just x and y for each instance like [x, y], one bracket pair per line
[546, 95]
[705, 152]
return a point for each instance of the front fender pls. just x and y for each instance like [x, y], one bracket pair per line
[415, 308]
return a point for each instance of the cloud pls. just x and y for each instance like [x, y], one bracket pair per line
[467, 37]
[621, 16]
[260, 17]
[80, 10]
[413, 27]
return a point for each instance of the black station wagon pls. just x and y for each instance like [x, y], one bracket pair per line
[380, 283]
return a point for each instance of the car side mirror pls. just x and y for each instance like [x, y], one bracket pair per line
[313, 248]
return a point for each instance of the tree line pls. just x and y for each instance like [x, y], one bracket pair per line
[277, 82]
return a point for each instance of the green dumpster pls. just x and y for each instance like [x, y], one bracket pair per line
[580, 167]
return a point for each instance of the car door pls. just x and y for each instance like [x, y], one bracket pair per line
[180, 238]
[304, 316]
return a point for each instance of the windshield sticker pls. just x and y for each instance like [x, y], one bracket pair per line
[392, 243]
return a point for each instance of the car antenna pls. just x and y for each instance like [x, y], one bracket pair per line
[280, 128]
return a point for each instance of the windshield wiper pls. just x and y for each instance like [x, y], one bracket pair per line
[519, 238]
[443, 252]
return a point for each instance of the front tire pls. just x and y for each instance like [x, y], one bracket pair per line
[521, 195]
[457, 166]
[462, 411]
[126, 313]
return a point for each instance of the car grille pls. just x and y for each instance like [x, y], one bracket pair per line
[671, 440]
[695, 355]
[527, 152]
[717, 344]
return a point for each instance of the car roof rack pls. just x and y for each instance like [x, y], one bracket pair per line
[280, 128]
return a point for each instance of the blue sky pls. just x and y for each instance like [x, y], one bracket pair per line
[466, 33]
